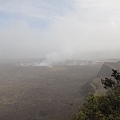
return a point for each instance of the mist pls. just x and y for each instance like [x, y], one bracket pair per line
[53, 53]
[73, 29]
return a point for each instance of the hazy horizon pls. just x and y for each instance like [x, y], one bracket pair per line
[59, 30]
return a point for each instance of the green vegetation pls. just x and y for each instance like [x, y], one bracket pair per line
[101, 107]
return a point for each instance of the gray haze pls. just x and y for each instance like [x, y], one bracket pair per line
[60, 30]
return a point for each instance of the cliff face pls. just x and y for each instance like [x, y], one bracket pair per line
[105, 71]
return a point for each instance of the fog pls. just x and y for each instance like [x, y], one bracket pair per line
[59, 30]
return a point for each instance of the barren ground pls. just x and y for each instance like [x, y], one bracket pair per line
[41, 93]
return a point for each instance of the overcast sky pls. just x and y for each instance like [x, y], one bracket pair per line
[59, 29]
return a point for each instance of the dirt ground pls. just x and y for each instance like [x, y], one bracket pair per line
[42, 93]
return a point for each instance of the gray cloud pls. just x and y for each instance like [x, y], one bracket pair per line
[90, 30]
